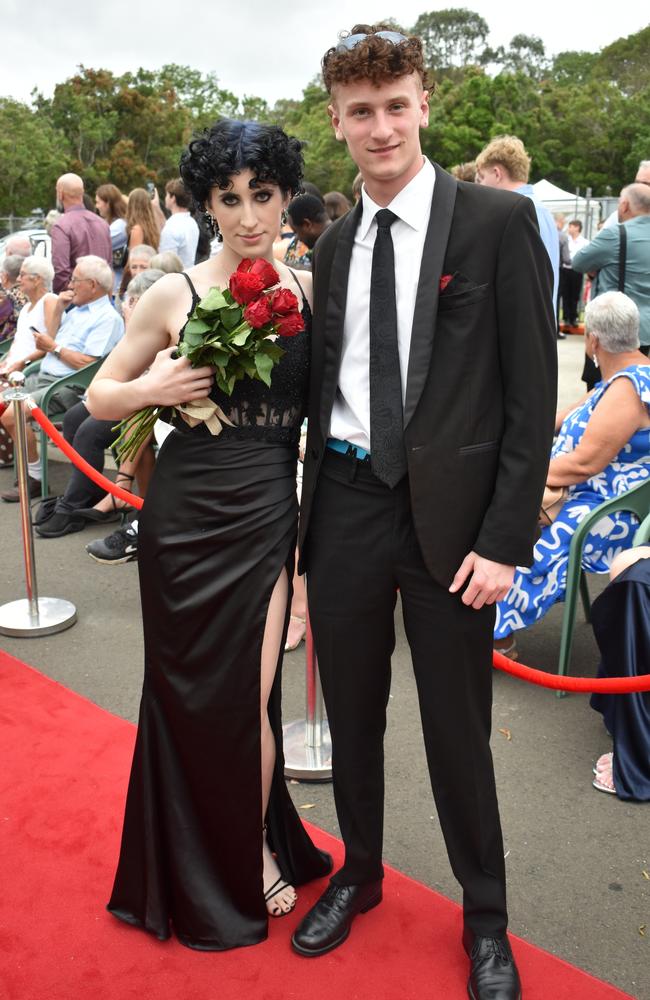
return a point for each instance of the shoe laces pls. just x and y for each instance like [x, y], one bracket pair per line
[120, 536]
[491, 947]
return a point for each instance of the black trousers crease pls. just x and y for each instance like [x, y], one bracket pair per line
[362, 548]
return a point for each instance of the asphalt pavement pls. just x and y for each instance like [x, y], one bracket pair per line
[578, 860]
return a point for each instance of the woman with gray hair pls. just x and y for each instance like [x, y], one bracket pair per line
[35, 282]
[601, 451]
[12, 299]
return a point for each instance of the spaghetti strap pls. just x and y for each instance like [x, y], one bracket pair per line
[293, 274]
[195, 294]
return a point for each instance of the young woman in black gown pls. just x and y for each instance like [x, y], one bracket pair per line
[211, 840]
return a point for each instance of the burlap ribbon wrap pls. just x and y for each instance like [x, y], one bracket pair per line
[204, 411]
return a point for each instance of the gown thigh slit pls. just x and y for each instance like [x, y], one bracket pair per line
[217, 529]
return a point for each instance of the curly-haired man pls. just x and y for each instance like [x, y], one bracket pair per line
[431, 416]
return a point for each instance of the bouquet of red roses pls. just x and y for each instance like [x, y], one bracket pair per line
[236, 332]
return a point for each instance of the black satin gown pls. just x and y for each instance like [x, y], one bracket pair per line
[216, 530]
[621, 623]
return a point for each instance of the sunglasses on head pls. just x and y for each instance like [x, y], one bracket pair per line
[352, 41]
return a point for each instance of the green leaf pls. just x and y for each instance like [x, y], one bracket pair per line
[196, 326]
[231, 317]
[240, 338]
[264, 366]
[271, 349]
[213, 301]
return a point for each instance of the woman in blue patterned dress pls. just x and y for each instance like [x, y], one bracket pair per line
[601, 451]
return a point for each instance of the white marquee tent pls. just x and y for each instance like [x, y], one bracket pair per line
[574, 206]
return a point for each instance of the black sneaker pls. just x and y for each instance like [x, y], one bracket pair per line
[120, 547]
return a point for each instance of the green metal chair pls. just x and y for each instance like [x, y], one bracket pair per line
[643, 532]
[5, 345]
[637, 501]
[81, 378]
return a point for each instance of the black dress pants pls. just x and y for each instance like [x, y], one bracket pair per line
[91, 438]
[361, 548]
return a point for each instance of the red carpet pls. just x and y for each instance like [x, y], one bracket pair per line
[64, 765]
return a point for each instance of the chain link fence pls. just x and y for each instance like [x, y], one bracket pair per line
[14, 223]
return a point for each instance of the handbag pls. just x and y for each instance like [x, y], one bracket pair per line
[120, 257]
[552, 503]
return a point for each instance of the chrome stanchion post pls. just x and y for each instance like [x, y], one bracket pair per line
[307, 743]
[34, 615]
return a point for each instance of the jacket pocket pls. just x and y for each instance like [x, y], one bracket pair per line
[465, 298]
[472, 449]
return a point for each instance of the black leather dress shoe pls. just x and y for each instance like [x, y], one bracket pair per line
[493, 973]
[328, 923]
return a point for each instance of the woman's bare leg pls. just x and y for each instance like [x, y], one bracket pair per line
[285, 900]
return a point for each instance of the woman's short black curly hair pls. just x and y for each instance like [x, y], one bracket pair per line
[230, 146]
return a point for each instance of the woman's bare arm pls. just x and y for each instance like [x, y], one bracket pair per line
[123, 384]
[614, 420]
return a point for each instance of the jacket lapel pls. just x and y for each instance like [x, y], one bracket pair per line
[335, 313]
[426, 300]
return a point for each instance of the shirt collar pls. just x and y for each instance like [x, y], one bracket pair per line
[411, 204]
[75, 208]
[94, 305]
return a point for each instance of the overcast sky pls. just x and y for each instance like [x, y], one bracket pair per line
[256, 47]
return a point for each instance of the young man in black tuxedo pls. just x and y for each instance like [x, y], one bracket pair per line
[430, 422]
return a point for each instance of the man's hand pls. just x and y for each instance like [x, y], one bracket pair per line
[43, 341]
[488, 581]
[64, 299]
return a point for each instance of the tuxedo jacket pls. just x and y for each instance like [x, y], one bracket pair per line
[482, 375]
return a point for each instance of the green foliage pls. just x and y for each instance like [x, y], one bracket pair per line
[584, 117]
[32, 152]
[454, 37]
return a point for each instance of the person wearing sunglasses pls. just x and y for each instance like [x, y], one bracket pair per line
[431, 415]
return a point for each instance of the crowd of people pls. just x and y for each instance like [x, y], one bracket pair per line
[124, 278]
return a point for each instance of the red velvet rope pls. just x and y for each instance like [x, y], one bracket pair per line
[81, 463]
[585, 685]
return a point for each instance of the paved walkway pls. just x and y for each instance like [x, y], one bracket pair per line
[575, 857]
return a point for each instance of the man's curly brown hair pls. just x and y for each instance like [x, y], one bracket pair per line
[376, 59]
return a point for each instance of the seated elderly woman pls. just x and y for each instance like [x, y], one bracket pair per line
[84, 503]
[38, 314]
[602, 450]
[11, 298]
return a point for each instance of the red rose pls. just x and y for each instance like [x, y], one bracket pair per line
[261, 267]
[245, 287]
[259, 312]
[289, 326]
[283, 302]
[444, 281]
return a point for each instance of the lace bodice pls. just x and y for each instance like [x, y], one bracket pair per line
[267, 413]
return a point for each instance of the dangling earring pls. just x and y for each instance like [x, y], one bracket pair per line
[284, 217]
[595, 360]
[211, 223]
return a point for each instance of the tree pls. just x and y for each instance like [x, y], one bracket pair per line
[626, 62]
[525, 54]
[32, 155]
[454, 37]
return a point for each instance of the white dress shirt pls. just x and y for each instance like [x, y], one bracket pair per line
[350, 419]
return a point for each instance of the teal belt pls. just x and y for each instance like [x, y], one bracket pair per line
[345, 448]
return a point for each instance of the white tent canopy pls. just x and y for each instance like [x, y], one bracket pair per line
[572, 205]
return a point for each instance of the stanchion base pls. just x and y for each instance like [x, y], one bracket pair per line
[54, 615]
[302, 762]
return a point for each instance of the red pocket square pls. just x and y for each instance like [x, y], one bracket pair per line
[444, 281]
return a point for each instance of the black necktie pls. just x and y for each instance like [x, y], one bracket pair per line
[387, 455]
